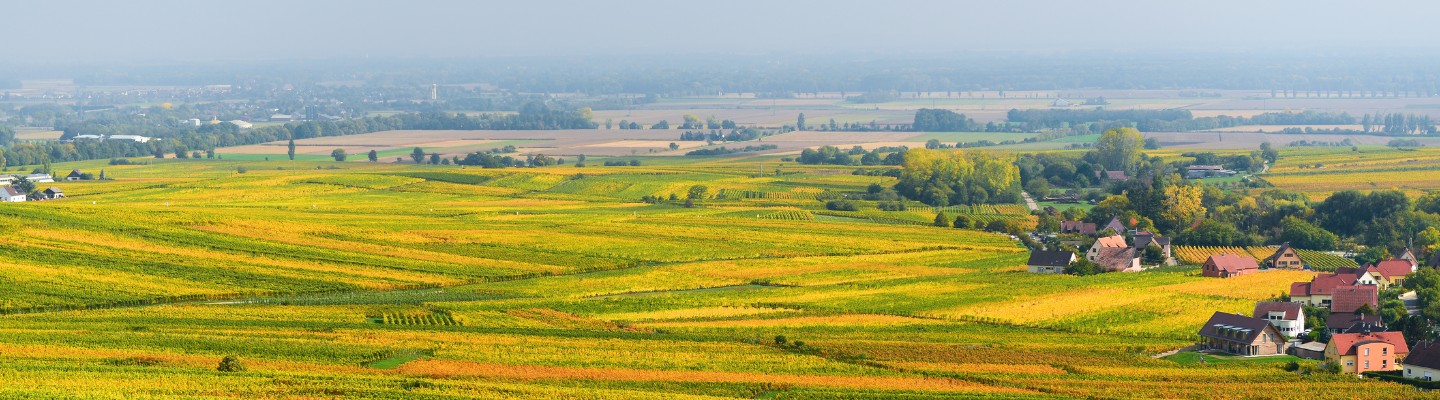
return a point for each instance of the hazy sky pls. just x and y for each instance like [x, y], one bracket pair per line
[204, 30]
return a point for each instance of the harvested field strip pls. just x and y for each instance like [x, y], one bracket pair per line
[465, 368]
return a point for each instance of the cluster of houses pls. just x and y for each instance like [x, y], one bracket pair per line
[1365, 346]
[1111, 252]
[9, 194]
[1359, 342]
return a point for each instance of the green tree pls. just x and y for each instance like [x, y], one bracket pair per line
[697, 192]
[1365, 310]
[1303, 235]
[1154, 254]
[1047, 223]
[1373, 254]
[435, 159]
[338, 154]
[181, 151]
[941, 220]
[418, 155]
[673, 146]
[963, 221]
[1083, 267]
[1038, 188]
[374, 156]
[1119, 148]
[800, 122]
[292, 150]
[1269, 153]
[607, 123]
[23, 184]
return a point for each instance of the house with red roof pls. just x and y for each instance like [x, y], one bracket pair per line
[1407, 255]
[1288, 318]
[1112, 175]
[1077, 227]
[1374, 351]
[1115, 241]
[1119, 259]
[1228, 266]
[1348, 299]
[1423, 362]
[1385, 273]
[1319, 292]
[1241, 335]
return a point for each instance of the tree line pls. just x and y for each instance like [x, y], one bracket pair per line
[207, 137]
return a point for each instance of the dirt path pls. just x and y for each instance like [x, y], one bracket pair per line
[1029, 203]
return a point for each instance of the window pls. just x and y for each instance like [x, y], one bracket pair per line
[1384, 363]
[1349, 363]
[1367, 352]
[1384, 352]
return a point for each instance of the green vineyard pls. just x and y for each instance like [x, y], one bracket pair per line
[429, 320]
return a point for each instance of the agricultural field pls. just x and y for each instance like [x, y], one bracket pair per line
[1317, 260]
[1320, 171]
[384, 280]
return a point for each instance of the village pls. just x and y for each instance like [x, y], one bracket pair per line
[1335, 318]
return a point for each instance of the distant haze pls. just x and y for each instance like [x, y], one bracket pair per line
[103, 31]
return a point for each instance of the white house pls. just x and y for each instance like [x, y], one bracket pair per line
[1049, 262]
[1423, 362]
[10, 194]
[1287, 317]
[75, 175]
[242, 124]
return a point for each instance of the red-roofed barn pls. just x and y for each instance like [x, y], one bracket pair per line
[1229, 266]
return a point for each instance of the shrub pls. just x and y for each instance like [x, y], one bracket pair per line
[230, 364]
[241, 169]
[841, 205]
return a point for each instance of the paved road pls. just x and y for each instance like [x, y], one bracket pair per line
[1029, 203]
[1412, 303]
